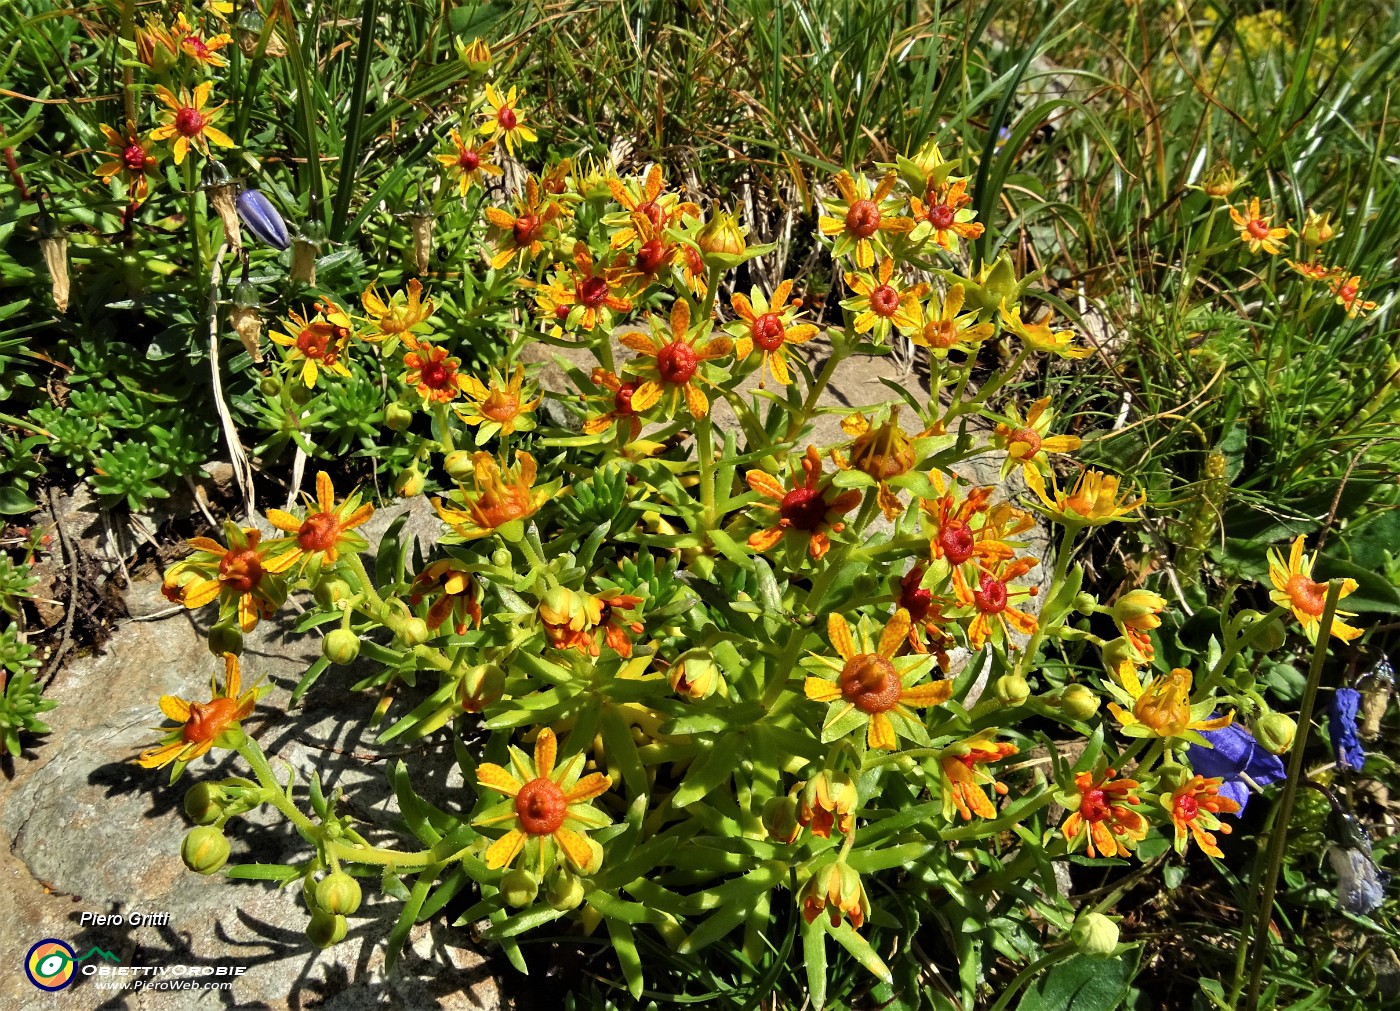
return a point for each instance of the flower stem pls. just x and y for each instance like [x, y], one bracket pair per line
[267, 779]
[840, 351]
[1056, 581]
[705, 455]
[192, 224]
[1283, 812]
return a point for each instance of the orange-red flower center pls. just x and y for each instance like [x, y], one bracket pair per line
[1259, 228]
[863, 219]
[622, 400]
[1029, 438]
[134, 157]
[1186, 807]
[241, 570]
[318, 532]
[870, 683]
[677, 362]
[768, 331]
[592, 291]
[500, 406]
[650, 256]
[803, 508]
[884, 301]
[540, 805]
[1348, 292]
[957, 541]
[941, 333]
[1306, 595]
[655, 213]
[434, 375]
[694, 260]
[913, 597]
[468, 160]
[525, 229]
[940, 216]
[312, 342]
[189, 121]
[201, 51]
[208, 720]
[990, 596]
[506, 117]
[1094, 805]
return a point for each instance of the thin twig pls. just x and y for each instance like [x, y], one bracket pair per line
[242, 469]
[1337, 498]
[70, 560]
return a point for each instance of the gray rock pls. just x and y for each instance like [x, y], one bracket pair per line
[88, 832]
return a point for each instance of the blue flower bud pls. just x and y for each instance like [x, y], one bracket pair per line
[1341, 725]
[262, 219]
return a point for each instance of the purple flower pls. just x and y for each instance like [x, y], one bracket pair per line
[1341, 723]
[262, 219]
[1235, 754]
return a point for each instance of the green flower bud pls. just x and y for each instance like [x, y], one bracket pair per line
[269, 386]
[1011, 689]
[458, 464]
[300, 393]
[519, 887]
[721, 241]
[204, 850]
[780, 818]
[1001, 282]
[204, 803]
[397, 417]
[501, 558]
[695, 675]
[1078, 702]
[564, 890]
[409, 483]
[326, 929]
[225, 638]
[1094, 934]
[1271, 636]
[1276, 732]
[480, 686]
[414, 632]
[1139, 609]
[1085, 602]
[341, 646]
[339, 893]
[331, 590]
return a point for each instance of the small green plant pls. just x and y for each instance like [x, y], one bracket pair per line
[21, 699]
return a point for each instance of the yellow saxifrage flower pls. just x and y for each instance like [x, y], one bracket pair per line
[318, 343]
[1040, 337]
[944, 214]
[187, 123]
[648, 199]
[964, 774]
[874, 687]
[880, 305]
[504, 121]
[500, 407]
[522, 235]
[1027, 441]
[1162, 707]
[673, 367]
[946, 330]
[770, 327]
[326, 531]
[1093, 502]
[467, 162]
[130, 157]
[1294, 589]
[547, 807]
[243, 576]
[501, 495]
[1256, 231]
[202, 725]
[397, 316]
[1348, 292]
[1195, 807]
[861, 216]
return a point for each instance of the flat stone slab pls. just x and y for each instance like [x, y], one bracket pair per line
[87, 832]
